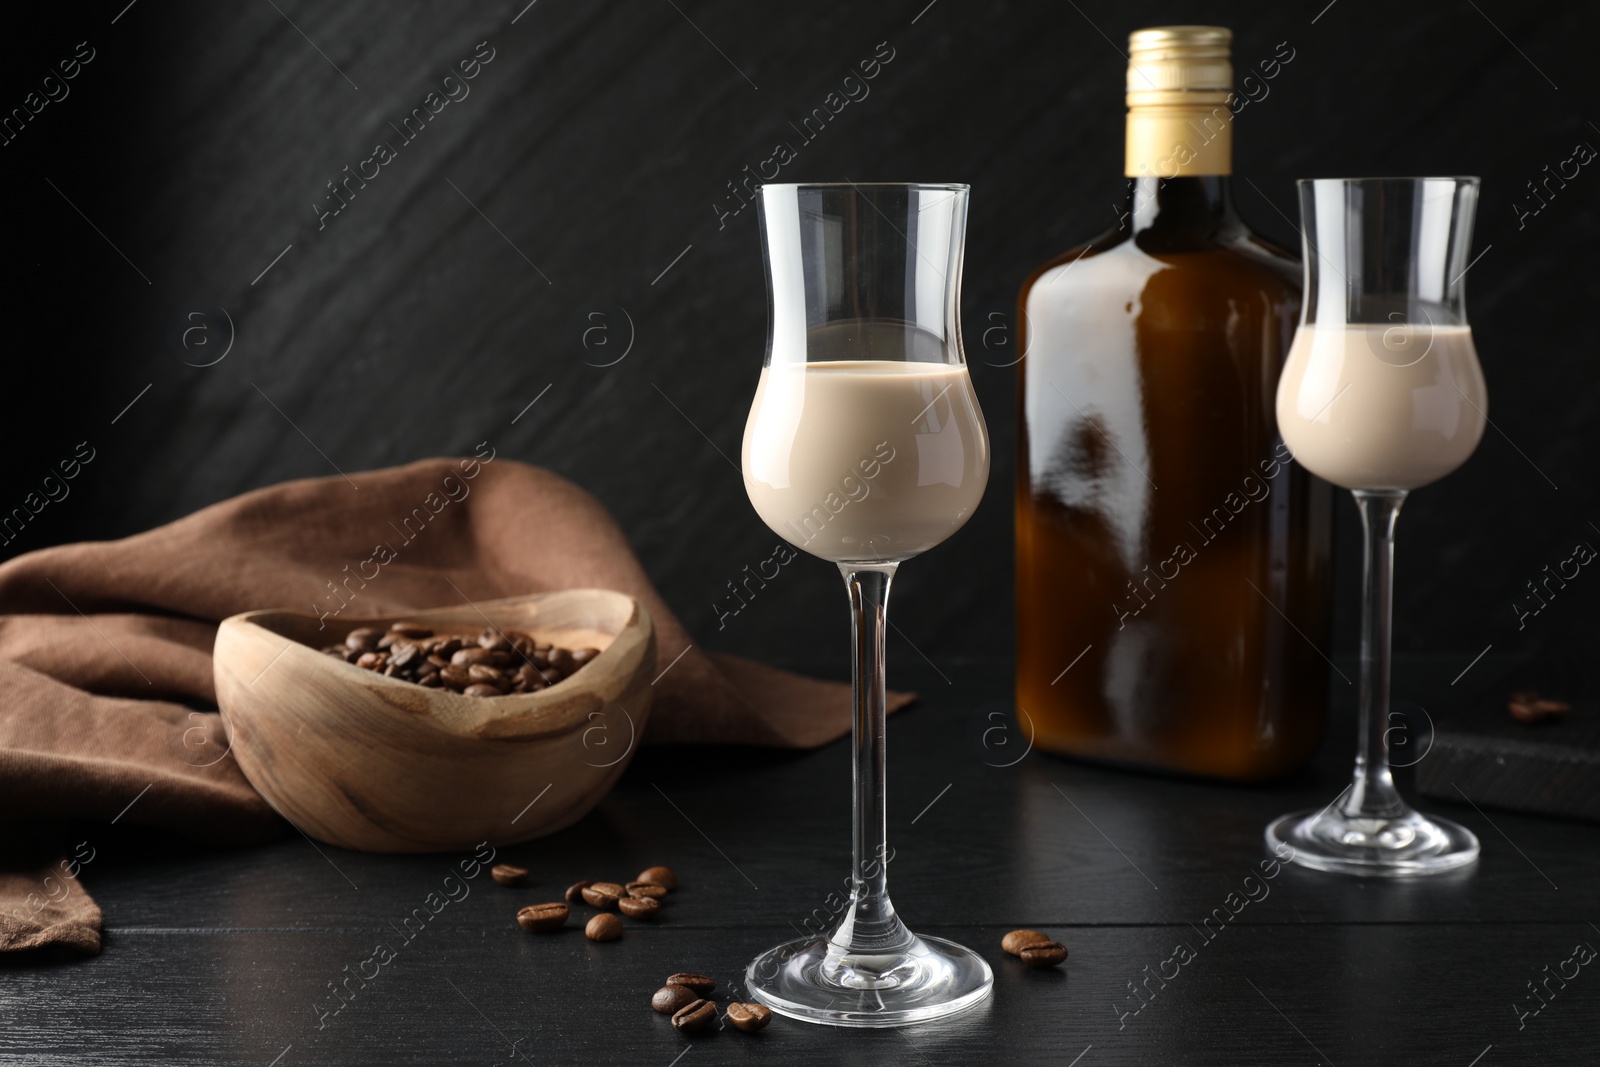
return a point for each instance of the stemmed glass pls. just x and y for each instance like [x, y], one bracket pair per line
[1381, 394]
[865, 447]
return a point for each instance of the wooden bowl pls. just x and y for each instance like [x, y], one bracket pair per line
[364, 761]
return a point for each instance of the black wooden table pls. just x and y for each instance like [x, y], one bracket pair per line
[231, 957]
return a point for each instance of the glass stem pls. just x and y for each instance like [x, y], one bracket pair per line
[871, 926]
[1372, 792]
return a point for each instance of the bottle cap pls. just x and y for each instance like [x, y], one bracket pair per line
[1179, 65]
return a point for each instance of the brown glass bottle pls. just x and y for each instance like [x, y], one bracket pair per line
[1172, 560]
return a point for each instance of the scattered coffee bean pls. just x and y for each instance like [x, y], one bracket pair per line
[696, 1017]
[1528, 706]
[669, 998]
[575, 892]
[508, 661]
[542, 917]
[603, 927]
[508, 874]
[639, 907]
[1043, 954]
[1017, 940]
[602, 895]
[701, 985]
[749, 1017]
[661, 876]
[645, 889]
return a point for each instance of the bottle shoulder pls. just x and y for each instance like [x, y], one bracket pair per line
[1117, 258]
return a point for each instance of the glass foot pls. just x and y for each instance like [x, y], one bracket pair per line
[811, 980]
[1409, 843]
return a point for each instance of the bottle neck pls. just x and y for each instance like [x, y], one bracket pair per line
[1201, 203]
[1179, 157]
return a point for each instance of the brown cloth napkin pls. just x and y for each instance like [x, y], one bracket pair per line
[106, 646]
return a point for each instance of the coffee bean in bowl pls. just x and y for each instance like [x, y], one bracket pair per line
[492, 663]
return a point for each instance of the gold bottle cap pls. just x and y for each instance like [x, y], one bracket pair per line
[1176, 64]
[1180, 80]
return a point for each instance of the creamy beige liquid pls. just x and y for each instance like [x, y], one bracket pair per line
[865, 460]
[1376, 407]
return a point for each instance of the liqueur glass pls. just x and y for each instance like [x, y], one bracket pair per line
[1381, 393]
[865, 446]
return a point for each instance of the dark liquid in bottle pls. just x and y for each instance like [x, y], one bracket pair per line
[1172, 560]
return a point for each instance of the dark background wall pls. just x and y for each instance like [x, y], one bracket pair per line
[579, 177]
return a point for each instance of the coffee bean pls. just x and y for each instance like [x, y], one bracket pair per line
[696, 1017]
[412, 630]
[575, 891]
[481, 691]
[1044, 954]
[1017, 940]
[644, 889]
[661, 876]
[508, 874]
[542, 917]
[603, 927]
[508, 662]
[669, 998]
[561, 660]
[639, 907]
[366, 638]
[602, 895]
[689, 980]
[488, 676]
[749, 1017]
